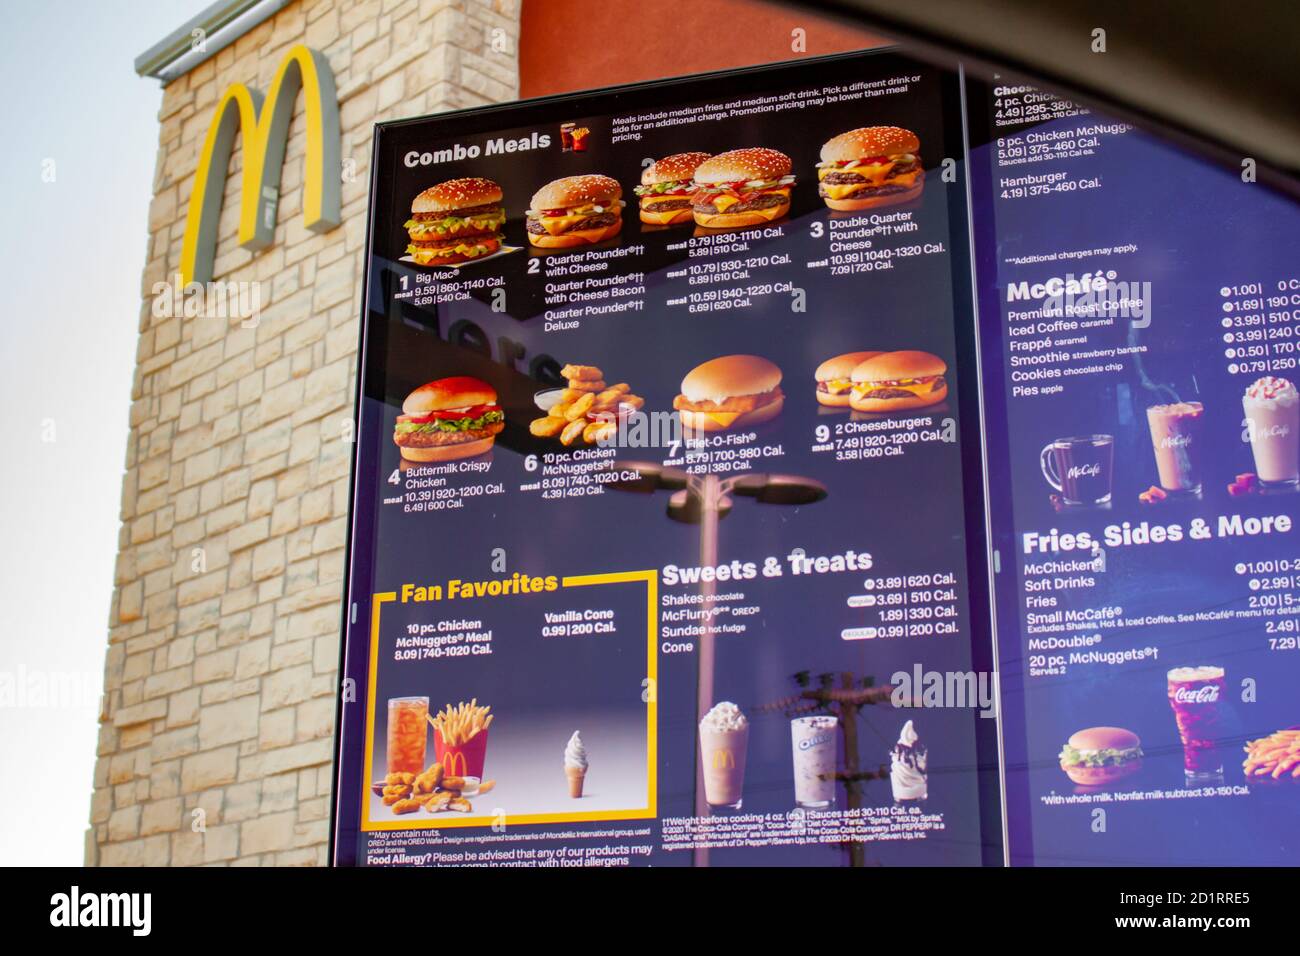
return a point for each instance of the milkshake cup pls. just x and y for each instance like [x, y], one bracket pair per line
[724, 741]
[814, 744]
[1272, 409]
[1176, 440]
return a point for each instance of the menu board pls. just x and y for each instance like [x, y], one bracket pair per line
[1140, 328]
[667, 538]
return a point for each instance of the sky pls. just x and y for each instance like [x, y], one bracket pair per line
[75, 176]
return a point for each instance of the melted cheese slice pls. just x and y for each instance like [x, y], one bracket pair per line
[875, 176]
[839, 385]
[722, 418]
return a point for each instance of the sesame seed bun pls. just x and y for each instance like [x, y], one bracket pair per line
[576, 191]
[869, 141]
[673, 168]
[752, 163]
[457, 194]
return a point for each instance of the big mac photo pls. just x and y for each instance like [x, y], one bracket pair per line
[455, 221]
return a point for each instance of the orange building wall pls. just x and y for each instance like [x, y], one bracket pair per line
[568, 45]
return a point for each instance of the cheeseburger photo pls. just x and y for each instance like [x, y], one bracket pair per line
[455, 221]
[835, 377]
[743, 187]
[666, 187]
[451, 418]
[870, 167]
[1101, 755]
[897, 381]
[575, 211]
[733, 391]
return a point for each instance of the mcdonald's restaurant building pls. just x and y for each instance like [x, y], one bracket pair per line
[220, 687]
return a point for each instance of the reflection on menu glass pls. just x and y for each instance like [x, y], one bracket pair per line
[1139, 312]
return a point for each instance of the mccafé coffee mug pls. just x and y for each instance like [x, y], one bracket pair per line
[1080, 468]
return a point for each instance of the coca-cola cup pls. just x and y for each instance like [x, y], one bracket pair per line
[1194, 695]
[1080, 468]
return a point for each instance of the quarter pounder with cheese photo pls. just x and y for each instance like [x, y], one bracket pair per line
[575, 211]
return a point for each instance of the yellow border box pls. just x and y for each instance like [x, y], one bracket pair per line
[443, 821]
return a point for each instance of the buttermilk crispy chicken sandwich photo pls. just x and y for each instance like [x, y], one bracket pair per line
[575, 211]
[870, 167]
[447, 419]
[455, 221]
[897, 381]
[835, 377]
[743, 187]
[666, 188]
[733, 391]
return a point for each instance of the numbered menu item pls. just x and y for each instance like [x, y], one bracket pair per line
[1140, 386]
[613, 600]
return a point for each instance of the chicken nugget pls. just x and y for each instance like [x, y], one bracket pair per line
[580, 408]
[610, 395]
[572, 431]
[599, 431]
[581, 387]
[558, 409]
[460, 805]
[634, 402]
[585, 373]
[546, 427]
[438, 801]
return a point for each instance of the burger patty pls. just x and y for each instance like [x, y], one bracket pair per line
[868, 189]
[888, 392]
[459, 213]
[437, 438]
[737, 403]
[668, 204]
[466, 239]
[598, 221]
[762, 201]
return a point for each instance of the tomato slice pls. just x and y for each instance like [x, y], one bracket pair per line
[474, 411]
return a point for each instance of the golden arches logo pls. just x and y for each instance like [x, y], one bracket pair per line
[724, 760]
[265, 131]
[453, 764]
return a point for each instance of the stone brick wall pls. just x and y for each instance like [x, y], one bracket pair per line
[220, 681]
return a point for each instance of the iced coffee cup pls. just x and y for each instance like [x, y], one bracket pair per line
[814, 741]
[1272, 409]
[1176, 440]
[724, 740]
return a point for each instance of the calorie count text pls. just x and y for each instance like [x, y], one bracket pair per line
[912, 605]
[435, 289]
[862, 440]
[1260, 327]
